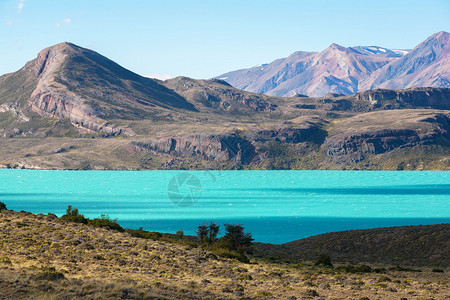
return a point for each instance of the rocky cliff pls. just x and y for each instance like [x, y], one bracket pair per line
[218, 148]
[355, 146]
[435, 98]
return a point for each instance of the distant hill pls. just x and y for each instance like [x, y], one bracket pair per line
[349, 70]
[72, 108]
[424, 245]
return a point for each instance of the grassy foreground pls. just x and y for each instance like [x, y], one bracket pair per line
[43, 257]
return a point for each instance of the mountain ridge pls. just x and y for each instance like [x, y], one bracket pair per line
[72, 108]
[339, 69]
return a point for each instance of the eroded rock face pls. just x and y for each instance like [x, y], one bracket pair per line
[60, 106]
[218, 148]
[356, 146]
[41, 62]
[436, 98]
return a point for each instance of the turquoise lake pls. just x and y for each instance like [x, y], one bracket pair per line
[275, 206]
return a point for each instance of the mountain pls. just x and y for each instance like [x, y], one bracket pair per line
[426, 65]
[345, 70]
[70, 82]
[76, 84]
[72, 108]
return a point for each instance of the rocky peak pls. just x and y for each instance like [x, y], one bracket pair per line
[48, 56]
[335, 46]
[441, 35]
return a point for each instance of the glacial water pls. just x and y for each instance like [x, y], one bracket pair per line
[275, 206]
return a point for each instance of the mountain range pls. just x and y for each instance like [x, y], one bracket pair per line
[72, 108]
[343, 70]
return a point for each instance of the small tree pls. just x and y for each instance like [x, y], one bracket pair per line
[208, 234]
[2, 206]
[72, 215]
[236, 239]
[213, 230]
[180, 234]
[202, 232]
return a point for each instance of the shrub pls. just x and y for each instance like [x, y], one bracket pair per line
[379, 270]
[49, 274]
[263, 294]
[312, 293]
[2, 206]
[5, 260]
[72, 215]
[323, 260]
[236, 239]
[104, 221]
[179, 234]
[384, 279]
[222, 252]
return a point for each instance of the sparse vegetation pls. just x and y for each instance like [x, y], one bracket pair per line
[45, 257]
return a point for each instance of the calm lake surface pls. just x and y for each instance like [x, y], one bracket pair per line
[275, 206]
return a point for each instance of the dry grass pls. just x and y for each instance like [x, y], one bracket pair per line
[45, 258]
[392, 119]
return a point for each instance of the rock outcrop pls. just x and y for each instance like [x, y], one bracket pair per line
[290, 135]
[435, 98]
[208, 147]
[356, 146]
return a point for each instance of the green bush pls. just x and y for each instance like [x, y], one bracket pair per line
[179, 234]
[72, 215]
[324, 260]
[2, 206]
[104, 221]
[235, 239]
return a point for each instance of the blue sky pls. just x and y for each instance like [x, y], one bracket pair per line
[202, 39]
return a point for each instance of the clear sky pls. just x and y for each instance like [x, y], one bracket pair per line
[202, 39]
